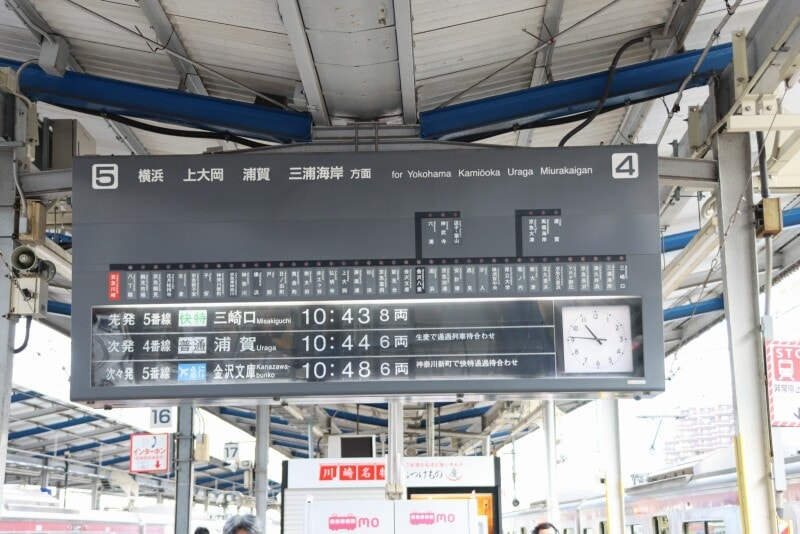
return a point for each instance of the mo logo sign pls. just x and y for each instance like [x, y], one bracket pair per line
[352, 522]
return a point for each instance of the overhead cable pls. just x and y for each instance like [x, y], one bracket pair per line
[606, 90]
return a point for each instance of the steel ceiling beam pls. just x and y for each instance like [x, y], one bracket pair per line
[42, 428]
[95, 94]
[683, 15]
[125, 135]
[551, 25]
[169, 37]
[296, 30]
[525, 108]
[404, 31]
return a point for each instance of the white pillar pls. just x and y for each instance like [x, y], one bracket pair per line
[262, 461]
[395, 489]
[740, 286]
[430, 427]
[609, 438]
[7, 193]
[184, 494]
[553, 509]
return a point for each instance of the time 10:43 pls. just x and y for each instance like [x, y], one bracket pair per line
[349, 316]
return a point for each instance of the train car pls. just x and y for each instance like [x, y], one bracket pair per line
[27, 510]
[695, 498]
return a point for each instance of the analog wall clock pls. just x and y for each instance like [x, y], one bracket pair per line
[597, 339]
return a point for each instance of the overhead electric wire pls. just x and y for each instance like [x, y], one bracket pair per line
[606, 90]
[16, 8]
[541, 123]
[714, 36]
[177, 132]
[715, 263]
[544, 44]
[22, 347]
[158, 46]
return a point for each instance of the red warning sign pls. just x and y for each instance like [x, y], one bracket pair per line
[783, 379]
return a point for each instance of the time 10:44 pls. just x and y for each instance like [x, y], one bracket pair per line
[321, 343]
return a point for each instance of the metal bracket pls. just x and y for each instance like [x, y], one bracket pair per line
[740, 73]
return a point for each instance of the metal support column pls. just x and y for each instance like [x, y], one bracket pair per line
[183, 468]
[310, 434]
[609, 438]
[430, 427]
[7, 194]
[262, 462]
[394, 462]
[553, 510]
[740, 284]
[96, 492]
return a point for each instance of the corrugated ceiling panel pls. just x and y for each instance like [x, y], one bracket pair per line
[450, 57]
[18, 43]
[432, 15]
[241, 52]
[353, 16]
[254, 14]
[271, 85]
[139, 67]
[243, 48]
[435, 91]
[710, 16]
[474, 44]
[600, 131]
[591, 37]
[579, 60]
[621, 17]
[366, 47]
[72, 22]
[105, 50]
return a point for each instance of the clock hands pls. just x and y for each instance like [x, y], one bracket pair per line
[599, 341]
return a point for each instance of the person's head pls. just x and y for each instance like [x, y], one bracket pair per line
[201, 530]
[545, 528]
[243, 524]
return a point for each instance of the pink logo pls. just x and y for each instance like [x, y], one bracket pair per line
[429, 518]
[351, 522]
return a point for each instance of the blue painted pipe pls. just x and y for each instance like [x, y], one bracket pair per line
[697, 308]
[103, 95]
[645, 81]
[41, 428]
[670, 243]
[61, 308]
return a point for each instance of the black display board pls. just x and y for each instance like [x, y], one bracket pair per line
[482, 273]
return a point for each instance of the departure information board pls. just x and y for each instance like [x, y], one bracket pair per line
[481, 273]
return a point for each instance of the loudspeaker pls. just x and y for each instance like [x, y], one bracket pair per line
[24, 259]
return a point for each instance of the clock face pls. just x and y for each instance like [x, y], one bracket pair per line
[597, 339]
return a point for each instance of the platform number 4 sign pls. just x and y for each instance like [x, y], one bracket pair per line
[625, 165]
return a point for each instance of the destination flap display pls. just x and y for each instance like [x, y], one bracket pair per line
[474, 273]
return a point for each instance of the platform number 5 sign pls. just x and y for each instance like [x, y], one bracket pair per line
[625, 165]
